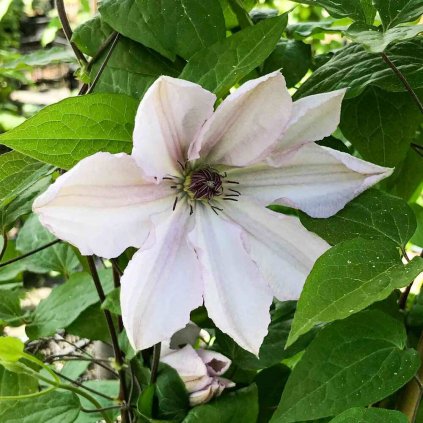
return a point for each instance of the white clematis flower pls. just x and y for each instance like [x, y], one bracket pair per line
[192, 197]
[201, 372]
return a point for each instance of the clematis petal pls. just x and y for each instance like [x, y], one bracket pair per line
[236, 297]
[283, 249]
[317, 180]
[247, 123]
[217, 364]
[190, 367]
[102, 205]
[161, 284]
[313, 118]
[168, 119]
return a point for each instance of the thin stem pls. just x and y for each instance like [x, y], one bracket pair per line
[123, 395]
[104, 64]
[155, 363]
[87, 396]
[98, 362]
[3, 250]
[61, 11]
[111, 407]
[404, 81]
[116, 282]
[30, 253]
[102, 49]
[75, 382]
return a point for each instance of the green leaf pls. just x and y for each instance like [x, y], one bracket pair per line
[238, 406]
[171, 394]
[272, 351]
[417, 238]
[270, 383]
[12, 272]
[359, 10]
[292, 57]
[16, 383]
[131, 69]
[407, 180]
[10, 309]
[373, 215]
[54, 407]
[306, 29]
[381, 125]
[351, 363]
[106, 387]
[21, 178]
[231, 19]
[91, 34]
[66, 302]
[11, 349]
[355, 68]
[220, 66]
[170, 27]
[347, 279]
[90, 324]
[49, 56]
[58, 258]
[370, 415]
[112, 302]
[64, 133]
[394, 12]
[375, 40]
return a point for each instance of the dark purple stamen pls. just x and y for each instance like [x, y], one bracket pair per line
[206, 183]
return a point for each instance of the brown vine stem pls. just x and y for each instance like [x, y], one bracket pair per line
[123, 394]
[30, 253]
[155, 363]
[104, 64]
[61, 11]
[404, 81]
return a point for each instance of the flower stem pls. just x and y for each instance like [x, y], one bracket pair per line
[3, 250]
[403, 79]
[61, 11]
[123, 395]
[104, 64]
[155, 363]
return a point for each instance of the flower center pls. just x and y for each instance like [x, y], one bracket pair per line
[205, 184]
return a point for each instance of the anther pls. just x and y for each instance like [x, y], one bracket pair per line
[182, 166]
[230, 198]
[191, 210]
[232, 182]
[234, 190]
[174, 204]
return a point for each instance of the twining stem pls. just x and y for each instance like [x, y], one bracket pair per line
[104, 64]
[116, 282]
[404, 81]
[123, 395]
[61, 11]
[155, 363]
[102, 49]
[30, 253]
[5, 239]
[87, 388]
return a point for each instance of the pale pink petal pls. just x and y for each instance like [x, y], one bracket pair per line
[162, 284]
[168, 119]
[102, 205]
[204, 395]
[317, 180]
[217, 364]
[247, 124]
[236, 297]
[313, 118]
[283, 249]
[191, 369]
